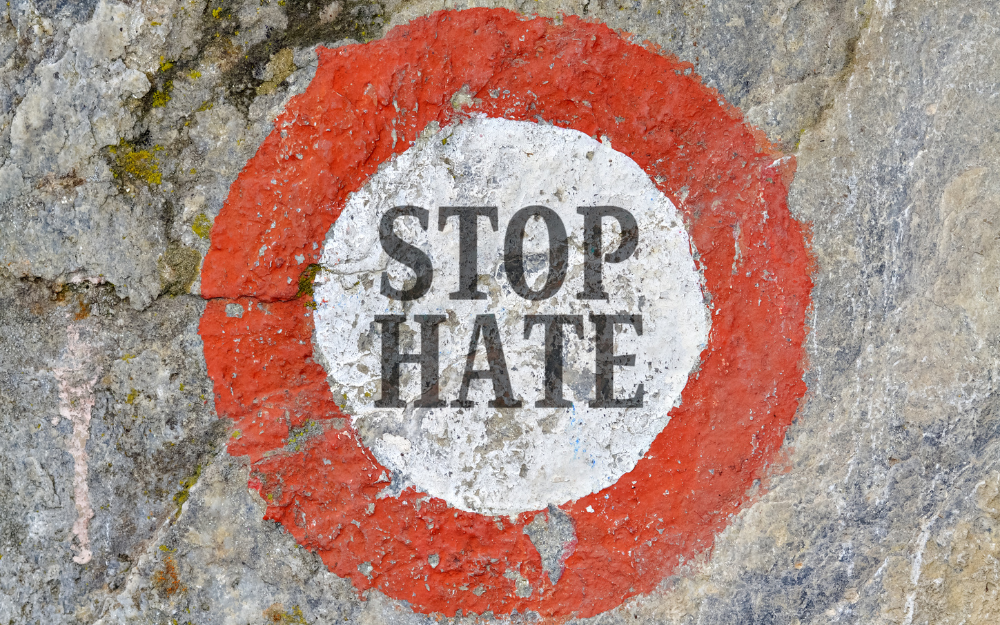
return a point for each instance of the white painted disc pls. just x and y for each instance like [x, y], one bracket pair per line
[510, 460]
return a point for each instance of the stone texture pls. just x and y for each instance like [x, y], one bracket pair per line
[122, 126]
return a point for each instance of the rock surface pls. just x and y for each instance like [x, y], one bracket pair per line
[123, 125]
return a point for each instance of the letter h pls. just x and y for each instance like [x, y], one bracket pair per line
[427, 359]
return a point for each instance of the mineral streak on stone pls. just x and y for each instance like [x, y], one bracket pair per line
[76, 376]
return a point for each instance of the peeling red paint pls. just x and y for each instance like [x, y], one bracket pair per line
[724, 177]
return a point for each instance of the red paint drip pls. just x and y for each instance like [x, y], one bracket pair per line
[320, 481]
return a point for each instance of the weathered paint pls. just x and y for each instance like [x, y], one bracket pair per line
[370, 102]
[500, 460]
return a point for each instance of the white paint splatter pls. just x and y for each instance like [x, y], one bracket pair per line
[510, 460]
[918, 561]
[76, 379]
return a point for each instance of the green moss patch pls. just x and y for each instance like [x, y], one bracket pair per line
[185, 492]
[202, 226]
[136, 163]
[306, 279]
[178, 269]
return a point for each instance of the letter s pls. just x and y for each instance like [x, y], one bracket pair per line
[409, 255]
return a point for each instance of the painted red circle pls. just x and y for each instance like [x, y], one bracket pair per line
[369, 102]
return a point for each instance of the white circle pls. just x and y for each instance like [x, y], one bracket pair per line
[509, 460]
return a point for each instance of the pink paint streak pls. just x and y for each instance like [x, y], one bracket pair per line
[76, 400]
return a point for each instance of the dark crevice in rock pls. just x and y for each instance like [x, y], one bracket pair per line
[838, 85]
[309, 23]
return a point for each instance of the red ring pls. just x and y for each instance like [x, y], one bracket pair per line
[308, 462]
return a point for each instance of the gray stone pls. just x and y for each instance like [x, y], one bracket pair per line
[123, 125]
[152, 424]
[553, 535]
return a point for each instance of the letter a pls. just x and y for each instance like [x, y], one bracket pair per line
[497, 372]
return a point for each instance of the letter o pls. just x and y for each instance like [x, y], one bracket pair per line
[513, 252]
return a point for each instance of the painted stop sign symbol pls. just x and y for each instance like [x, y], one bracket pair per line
[508, 314]
[552, 329]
